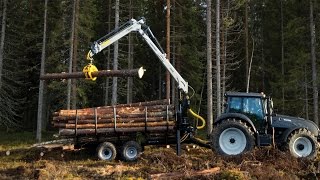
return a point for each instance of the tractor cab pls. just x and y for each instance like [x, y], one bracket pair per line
[253, 105]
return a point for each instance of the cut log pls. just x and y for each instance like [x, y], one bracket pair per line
[71, 132]
[119, 120]
[152, 116]
[110, 109]
[89, 116]
[110, 125]
[103, 73]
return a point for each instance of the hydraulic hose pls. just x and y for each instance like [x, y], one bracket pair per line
[199, 117]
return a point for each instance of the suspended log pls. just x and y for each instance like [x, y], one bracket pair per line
[103, 73]
[112, 125]
[72, 132]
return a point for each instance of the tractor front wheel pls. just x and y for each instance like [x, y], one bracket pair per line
[302, 144]
[232, 137]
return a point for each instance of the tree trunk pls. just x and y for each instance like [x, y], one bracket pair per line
[246, 36]
[130, 59]
[209, 71]
[306, 92]
[41, 85]
[106, 95]
[75, 57]
[71, 53]
[115, 58]
[3, 33]
[218, 76]
[314, 68]
[282, 55]
[168, 49]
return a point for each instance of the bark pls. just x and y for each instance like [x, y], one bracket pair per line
[3, 33]
[314, 64]
[115, 58]
[102, 73]
[41, 85]
[209, 71]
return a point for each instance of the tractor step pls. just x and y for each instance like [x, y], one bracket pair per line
[264, 139]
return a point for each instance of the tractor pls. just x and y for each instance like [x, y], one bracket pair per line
[249, 120]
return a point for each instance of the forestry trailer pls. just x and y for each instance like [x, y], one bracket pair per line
[247, 121]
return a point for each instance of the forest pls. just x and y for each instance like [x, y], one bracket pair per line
[267, 46]
[262, 46]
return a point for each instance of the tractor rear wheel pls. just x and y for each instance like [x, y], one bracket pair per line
[302, 144]
[232, 137]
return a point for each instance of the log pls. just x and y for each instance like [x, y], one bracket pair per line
[91, 116]
[103, 73]
[111, 125]
[71, 132]
[178, 175]
[119, 120]
[110, 109]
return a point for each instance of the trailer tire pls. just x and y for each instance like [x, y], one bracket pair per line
[130, 151]
[302, 144]
[232, 137]
[106, 151]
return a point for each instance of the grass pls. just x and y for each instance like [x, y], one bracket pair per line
[22, 139]
[26, 163]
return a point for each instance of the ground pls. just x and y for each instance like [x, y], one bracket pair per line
[18, 161]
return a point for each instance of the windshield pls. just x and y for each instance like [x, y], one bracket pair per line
[248, 105]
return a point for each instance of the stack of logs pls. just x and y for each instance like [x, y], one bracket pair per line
[151, 116]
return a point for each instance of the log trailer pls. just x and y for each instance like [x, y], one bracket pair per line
[248, 119]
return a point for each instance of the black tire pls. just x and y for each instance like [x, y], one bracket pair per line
[302, 144]
[106, 151]
[130, 151]
[232, 137]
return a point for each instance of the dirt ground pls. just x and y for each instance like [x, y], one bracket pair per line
[156, 162]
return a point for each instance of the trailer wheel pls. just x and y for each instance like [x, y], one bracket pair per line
[106, 151]
[130, 151]
[232, 137]
[302, 144]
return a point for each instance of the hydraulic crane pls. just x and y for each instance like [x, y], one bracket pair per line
[183, 124]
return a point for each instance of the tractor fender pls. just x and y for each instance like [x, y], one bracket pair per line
[236, 116]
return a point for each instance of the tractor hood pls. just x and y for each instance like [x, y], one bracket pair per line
[289, 122]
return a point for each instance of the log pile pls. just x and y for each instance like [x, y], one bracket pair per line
[151, 116]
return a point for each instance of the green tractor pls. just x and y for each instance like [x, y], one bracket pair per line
[248, 120]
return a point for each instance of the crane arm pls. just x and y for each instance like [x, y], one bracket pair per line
[140, 27]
